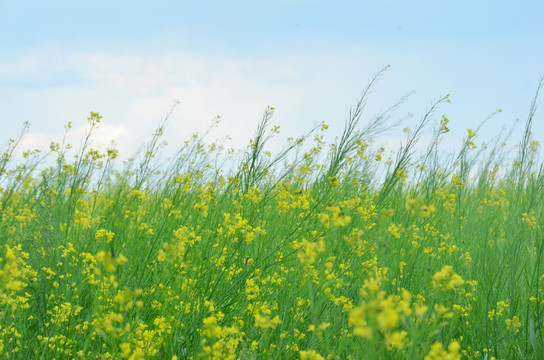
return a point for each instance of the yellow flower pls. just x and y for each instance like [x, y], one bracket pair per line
[388, 318]
[397, 339]
[265, 322]
[457, 181]
[310, 355]
[333, 181]
[395, 230]
[125, 350]
[309, 250]
[360, 326]
[514, 322]
[426, 211]
[447, 278]
[439, 353]
[138, 194]
[109, 261]
[338, 216]
[103, 234]
[420, 310]
[211, 329]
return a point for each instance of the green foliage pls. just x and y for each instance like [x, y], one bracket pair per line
[308, 254]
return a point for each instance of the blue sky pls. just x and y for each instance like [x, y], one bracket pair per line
[310, 59]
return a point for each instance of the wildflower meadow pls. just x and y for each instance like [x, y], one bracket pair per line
[320, 250]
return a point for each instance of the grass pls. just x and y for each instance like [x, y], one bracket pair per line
[321, 251]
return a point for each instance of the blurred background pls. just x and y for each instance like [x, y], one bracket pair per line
[130, 61]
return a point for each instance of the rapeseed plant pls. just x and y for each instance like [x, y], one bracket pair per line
[326, 251]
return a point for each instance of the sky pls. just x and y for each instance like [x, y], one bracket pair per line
[130, 61]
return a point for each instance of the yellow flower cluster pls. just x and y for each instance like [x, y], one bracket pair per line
[447, 278]
[439, 353]
[309, 250]
[192, 261]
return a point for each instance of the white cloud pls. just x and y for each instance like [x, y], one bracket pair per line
[134, 91]
[50, 87]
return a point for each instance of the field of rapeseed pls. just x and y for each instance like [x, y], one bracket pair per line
[322, 251]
